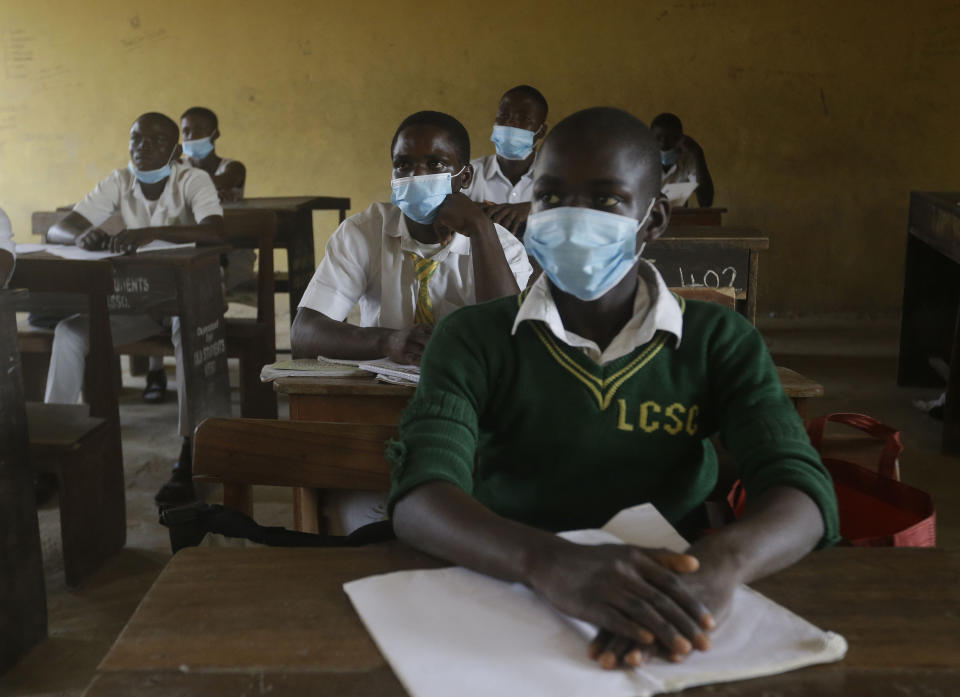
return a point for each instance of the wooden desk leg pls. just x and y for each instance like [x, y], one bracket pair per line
[204, 345]
[753, 283]
[800, 404]
[301, 262]
[23, 601]
[951, 410]
[306, 510]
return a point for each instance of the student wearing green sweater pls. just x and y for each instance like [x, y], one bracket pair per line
[595, 390]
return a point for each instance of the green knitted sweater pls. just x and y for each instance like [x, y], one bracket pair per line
[540, 433]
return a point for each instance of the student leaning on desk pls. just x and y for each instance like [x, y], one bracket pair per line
[153, 192]
[407, 264]
[597, 390]
[503, 182]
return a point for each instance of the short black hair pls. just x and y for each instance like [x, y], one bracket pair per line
[458, 134]
[533, 93]
[164, 119]
[203, 113]
[595, 127]
[667, 120]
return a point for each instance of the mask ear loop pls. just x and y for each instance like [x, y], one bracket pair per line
[643, 221]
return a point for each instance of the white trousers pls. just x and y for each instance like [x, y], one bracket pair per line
[71, 342]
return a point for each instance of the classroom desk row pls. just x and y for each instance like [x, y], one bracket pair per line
[222, 621]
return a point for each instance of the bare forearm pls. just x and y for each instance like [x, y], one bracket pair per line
[209, 231]
[491, 272]
[440, 519]
[705, 183]
[314, 334]
[779, 528]
[69, 229]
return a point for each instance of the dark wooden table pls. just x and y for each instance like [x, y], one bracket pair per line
[295, 234]
[23, 600]
[716, 257]
[184, 282]
[930, 321]
[696, 216]
[222, 621]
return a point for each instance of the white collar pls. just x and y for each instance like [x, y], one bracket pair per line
[655, 308]
[495, 171]
[458, 244]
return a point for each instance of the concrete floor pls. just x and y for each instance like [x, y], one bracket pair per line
[854, 359]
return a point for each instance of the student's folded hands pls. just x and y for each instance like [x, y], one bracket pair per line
[127, 241]
[510, 215]
[645, 601]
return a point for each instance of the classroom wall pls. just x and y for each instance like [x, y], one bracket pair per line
[817, 117]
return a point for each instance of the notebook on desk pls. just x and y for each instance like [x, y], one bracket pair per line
[455, 632]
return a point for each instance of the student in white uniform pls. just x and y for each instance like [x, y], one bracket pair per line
[682, 157]
[503, 181]
[201, 129]
[153, 191]
[407, 264]
[8, 253]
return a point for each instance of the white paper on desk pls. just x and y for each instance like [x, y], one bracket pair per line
[455, 632]
[678, 192]
[69, 251]
[384, 368]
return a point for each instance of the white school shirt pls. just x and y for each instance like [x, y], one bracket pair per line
[654, 308]
[683, 170]
[491, 184]
[188, 197]
[366, 262]
[6, 239]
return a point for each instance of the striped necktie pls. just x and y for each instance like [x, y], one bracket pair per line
[424, 269]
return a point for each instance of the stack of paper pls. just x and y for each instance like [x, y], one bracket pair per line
[384, 369]
[72, 252]
[679, 192]
[455, 632]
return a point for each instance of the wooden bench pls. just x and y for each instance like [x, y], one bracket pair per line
[67, 441]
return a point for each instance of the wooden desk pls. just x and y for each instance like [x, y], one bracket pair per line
[23, 600]
[295, 234]
[712, 256]
[696, 216]
[183, 282]
[930, 321]
[220, 621]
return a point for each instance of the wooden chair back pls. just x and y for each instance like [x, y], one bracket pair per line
[240, 453]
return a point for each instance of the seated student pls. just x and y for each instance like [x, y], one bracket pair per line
[596, 390]
[7, 249]
[503, 182]
[153, 191]
[408, 263]
[682, 157]
[201, 129]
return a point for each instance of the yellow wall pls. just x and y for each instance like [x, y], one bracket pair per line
[817, 117]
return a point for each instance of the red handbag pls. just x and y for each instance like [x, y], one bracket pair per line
[876, 509]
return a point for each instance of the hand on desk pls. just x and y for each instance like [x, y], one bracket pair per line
[511, 215]
[644, 600]
[406, 346]
[127, 241]
[93, 240]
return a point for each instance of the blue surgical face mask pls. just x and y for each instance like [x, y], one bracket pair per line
[668, 158]
[512, 143]
[198, 148]
[420, 197]
[152, 176]
[583, 251]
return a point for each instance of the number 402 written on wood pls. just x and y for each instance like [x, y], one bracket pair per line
[711, 278]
